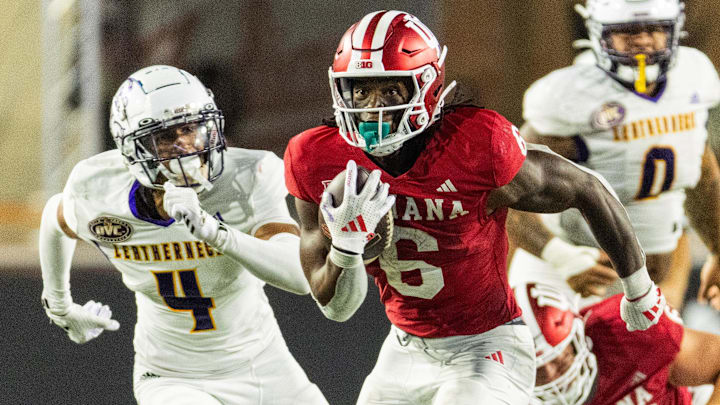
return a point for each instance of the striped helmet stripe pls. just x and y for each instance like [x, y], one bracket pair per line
[382, 28]
[359, 34]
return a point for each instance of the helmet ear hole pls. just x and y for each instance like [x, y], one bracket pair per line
[428, 75]
[422, 119]
[145, 122]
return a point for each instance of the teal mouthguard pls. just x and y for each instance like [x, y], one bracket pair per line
[369, 132]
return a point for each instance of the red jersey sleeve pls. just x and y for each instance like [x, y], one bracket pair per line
[485, 145]
[293, 173]
[507, 151]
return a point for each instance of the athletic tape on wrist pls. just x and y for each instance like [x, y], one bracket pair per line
[637, 284]
[344, 260]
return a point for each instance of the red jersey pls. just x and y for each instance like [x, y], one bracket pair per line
[633, 367]
[445, 273]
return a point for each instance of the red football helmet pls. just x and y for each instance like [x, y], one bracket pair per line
[389, 44]
[555, 323]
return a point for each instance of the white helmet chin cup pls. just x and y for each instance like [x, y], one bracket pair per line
[629, 74]
[187, 170]
[147, 108]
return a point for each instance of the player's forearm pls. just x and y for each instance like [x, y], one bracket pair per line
[275, 261]
[342, 298]
[56, 251]
[703, 204]
[527, 231]
[611, 227]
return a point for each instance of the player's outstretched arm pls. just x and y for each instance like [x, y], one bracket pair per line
[698, 362]
[338, 297]
[585, 268]
[703, 209]
[57, 246]
[548, 182]
[270, 255]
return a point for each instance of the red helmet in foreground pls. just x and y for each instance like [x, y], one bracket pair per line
[389, 44]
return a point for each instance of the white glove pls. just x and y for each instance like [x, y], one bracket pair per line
[353, 223]
[182, 204]
[569, 260]
[84, 323]
[641, 311]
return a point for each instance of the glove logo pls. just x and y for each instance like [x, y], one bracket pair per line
[109, 229]
[357, 224]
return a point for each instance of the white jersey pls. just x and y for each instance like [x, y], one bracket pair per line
[648, 148]
[199, 312]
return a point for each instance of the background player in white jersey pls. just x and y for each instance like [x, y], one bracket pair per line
[638, 117]
[196, 230]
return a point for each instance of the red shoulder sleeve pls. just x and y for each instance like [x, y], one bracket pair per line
[293, 174]
[508, 151]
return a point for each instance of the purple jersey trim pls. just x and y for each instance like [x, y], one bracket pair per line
[133, 208]
[656, 97]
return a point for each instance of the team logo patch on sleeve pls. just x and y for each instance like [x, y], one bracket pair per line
[609, 115]
[109, 229]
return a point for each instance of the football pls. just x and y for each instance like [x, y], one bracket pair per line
[382, 237]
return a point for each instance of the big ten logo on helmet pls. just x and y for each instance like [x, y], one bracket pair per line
[364, 64]
[109, 229]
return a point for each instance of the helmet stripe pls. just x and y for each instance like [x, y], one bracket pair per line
[382, 28]
[363, 27]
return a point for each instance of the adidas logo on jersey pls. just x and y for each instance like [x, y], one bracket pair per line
[447, 186]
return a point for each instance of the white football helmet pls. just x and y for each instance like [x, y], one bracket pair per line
[554, 321]
[603, 17]
[167, 127]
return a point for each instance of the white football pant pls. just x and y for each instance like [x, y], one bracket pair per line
[495, 367]
[272, 378]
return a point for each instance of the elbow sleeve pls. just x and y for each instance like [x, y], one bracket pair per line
[350, 291]
[275, 261]
[56, 250]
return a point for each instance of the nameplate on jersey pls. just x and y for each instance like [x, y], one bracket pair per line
[655, 126]
[427, 209]
[110, 229]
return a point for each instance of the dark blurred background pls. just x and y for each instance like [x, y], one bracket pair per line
[266, 62]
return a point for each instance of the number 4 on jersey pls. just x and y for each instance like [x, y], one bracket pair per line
[192, 300]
